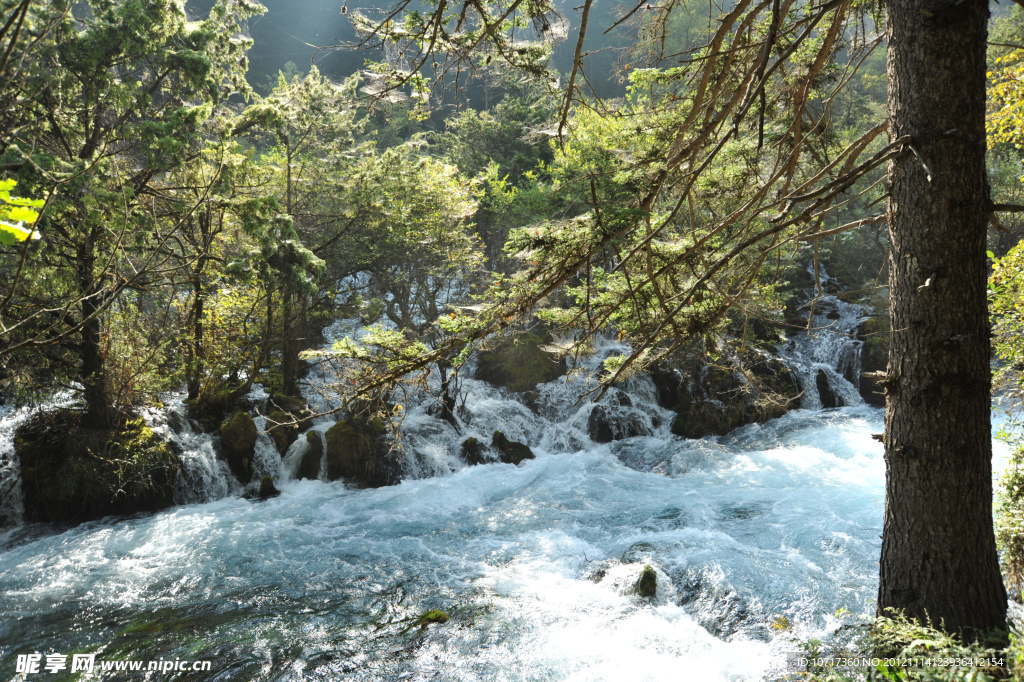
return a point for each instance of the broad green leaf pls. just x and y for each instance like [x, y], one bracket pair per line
[11, 234]
[20, 214]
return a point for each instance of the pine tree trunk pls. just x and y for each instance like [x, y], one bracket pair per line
[99, 410]
[938, 550]
[289, 342]
[196, 365]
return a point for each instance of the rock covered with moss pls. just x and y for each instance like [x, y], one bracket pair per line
[510, 451]
[287, 417]
[309, 464]
[474, 452]
[519, 362]
[715, 397]
[432, 617]
[73, 473]
[646, 584]
[238, 435]
[214, 405]
[357, 450]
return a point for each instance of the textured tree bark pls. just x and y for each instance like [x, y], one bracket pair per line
[938, 549]
[99, 410]
[289, 341]
[196, 365]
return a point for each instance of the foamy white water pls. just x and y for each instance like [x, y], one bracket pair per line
[535, 564]
[776, 519]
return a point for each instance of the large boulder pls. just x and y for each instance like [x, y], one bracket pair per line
[612, 422]
[713, 398]
[519, 363]
[309, 465]
[510, 451]
[72, 473]
[357, 450]
[214, 405]
[473, 452]
[281, 430]
[238, 435]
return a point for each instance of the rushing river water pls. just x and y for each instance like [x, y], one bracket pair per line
[533, 563]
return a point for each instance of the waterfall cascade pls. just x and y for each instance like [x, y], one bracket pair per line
[750, 542]
[560, 417]
[826, 356]
[536, 564]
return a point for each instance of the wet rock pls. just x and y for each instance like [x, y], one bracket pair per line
[280, 431]
[266, 490]
[606, 423]
[646, 585]
[777, 385]
[600, 571]
[432, 617]
[177, 422]
[510, 451]
[309, 465]
[357, 451]
[713, 398]
[213, 406]
[718, 607]
[238, 435]
[518, 363]
[637, 552]
[825, 393]
[71, 473]
[473, 452]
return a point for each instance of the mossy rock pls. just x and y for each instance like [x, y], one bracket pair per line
[432, 617]
[288, 403]
[713, 398]
[281, 431]
[518, 363]
[356, 451]
[309, 465]
[211, 408]
[238, 435]
[646, 585]
[473, 452]
[510, 451]
[71, 473]
[266, 490]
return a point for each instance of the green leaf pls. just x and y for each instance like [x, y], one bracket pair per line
[20, 214]
[11, 234]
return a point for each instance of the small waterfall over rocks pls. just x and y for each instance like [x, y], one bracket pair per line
[537, 564]
[558, 416]
[204, 476]
[826, 357]
[12, 502]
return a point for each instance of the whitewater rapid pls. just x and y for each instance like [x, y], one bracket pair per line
[760, 540]
[780, 519]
